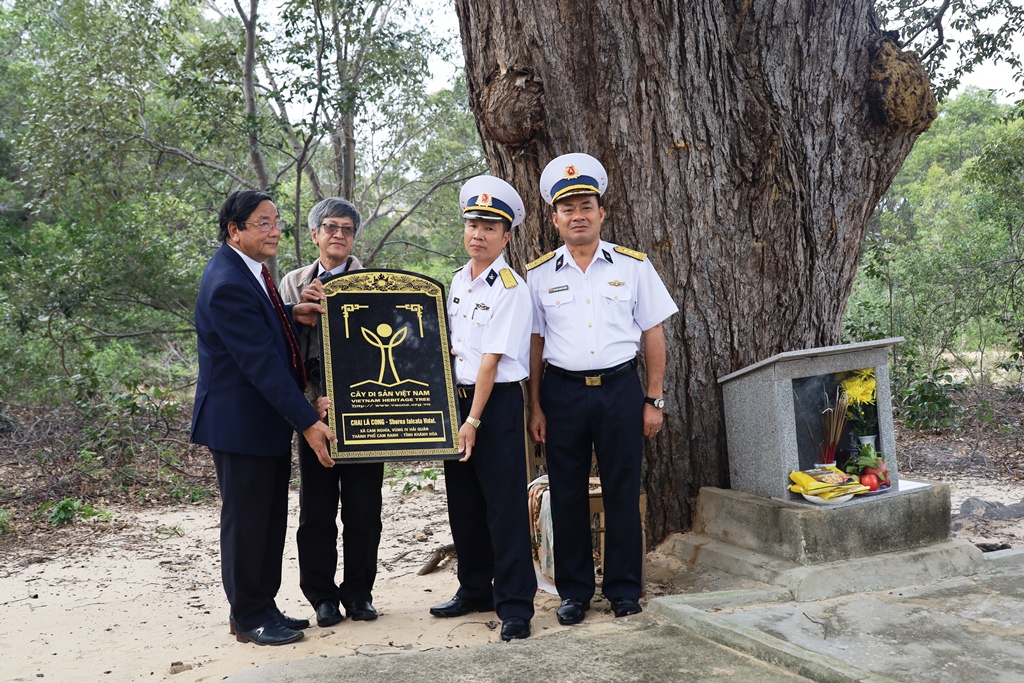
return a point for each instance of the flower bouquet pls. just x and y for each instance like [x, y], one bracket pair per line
[859, 389]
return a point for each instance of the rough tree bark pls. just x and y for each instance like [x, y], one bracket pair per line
[746, 143]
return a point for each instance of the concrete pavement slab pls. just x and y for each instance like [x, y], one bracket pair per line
[635, 649]
[959, 629]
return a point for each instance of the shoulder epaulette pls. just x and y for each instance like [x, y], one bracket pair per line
[632, 253]
[507, 278]
[543, 259]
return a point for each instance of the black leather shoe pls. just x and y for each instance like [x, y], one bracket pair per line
[361, 610]
[456, 607]
[328, 614]
[291, 622]
[514, 628]
[624, 607]
[572, 611]
[270, 633]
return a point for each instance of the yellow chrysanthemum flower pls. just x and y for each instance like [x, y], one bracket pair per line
[859, 389]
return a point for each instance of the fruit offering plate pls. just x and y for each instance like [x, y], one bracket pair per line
[832, 501]
[880, 489]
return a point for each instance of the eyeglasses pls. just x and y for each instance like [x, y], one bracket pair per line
[267, 227]
[331, 228]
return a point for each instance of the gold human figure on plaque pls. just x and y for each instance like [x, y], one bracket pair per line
[387, 354]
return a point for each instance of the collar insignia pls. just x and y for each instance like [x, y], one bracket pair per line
[492, 276]
[607, 256]
[558, 262]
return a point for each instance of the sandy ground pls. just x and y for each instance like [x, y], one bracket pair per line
[139, 597]
[144, 601]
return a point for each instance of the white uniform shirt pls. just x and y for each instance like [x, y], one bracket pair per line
[485, 316]
[595, 319]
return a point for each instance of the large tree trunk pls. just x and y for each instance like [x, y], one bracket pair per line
[746, 146]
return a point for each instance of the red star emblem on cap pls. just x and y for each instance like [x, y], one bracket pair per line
[571, 172]
[484, 199]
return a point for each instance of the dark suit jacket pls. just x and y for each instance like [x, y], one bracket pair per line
[246, 398]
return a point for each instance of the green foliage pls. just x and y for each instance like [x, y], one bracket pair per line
[411, 479]
[6, 526]
[867, 456]
[929, 400]
[123, 126]
[190, 494]
[943, 261]
[67, 510]
[985, 29]
[119, 418]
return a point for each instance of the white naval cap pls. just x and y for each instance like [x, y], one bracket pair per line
[490, 198]
[572, 174]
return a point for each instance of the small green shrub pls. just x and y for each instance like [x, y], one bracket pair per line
[929, 401]
[413, 480]
[66, 510]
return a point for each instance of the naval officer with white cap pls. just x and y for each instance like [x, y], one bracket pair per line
[490, 319]
[593, 303]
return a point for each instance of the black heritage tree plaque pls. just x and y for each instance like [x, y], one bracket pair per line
[387, 367]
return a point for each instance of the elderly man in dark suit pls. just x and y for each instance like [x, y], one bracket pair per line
[333, 224]
[249, 400]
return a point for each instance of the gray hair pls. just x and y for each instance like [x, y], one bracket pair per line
[334, 207]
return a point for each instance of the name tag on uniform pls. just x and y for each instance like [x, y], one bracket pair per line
[552, 290]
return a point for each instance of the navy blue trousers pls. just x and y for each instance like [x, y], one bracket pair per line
[488, 509]
[606, 420]
[357, 487]
[253, 524]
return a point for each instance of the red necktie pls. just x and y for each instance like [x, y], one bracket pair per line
[298, 367]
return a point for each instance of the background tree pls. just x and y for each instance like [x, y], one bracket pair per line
[953, 37]
[942, 262]
[126, 124]
[746, 145]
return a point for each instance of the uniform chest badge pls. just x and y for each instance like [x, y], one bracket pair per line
[562, 288]
[616, 283]
[455, 300]
[483, 307]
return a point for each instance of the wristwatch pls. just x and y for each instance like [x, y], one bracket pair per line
[658, 403]
[475, 423]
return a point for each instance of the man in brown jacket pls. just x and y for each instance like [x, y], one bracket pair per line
[333, 224]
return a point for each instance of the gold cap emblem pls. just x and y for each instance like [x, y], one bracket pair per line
[571, 172]
[484, 199]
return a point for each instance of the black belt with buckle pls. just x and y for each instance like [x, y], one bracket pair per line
[467, 390]
[593, 378]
